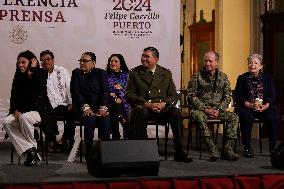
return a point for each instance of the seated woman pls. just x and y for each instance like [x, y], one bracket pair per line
[255, 98]
[29, 104]
[117, 74]
[89, 92]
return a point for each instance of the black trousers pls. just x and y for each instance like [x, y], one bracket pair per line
[90, 123]
[69, 128]
[270, 117]
[118, 114]
[140, 117]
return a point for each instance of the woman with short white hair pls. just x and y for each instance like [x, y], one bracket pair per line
[256, 98]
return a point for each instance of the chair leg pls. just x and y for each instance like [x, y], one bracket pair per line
[260, 140]
[196, 137]
[190, 133]
[224, 135]
[199, 138]
[216, 135]
[213, 132]
[189, 138]
[45, 151]
[12, 154]
[81, 144]
[166, 140]
[239, 134]
[44, 146]
[157, 137]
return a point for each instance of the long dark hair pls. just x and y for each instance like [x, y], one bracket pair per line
[28, 55]
[123, 66]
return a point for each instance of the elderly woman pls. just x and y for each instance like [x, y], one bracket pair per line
[117, 75]
[89, 91]
[255, 98]
[29, 104]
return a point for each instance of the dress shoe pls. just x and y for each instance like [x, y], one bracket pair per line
[182, 157]
[32, 157]
[52, 146]
[248, 153]
[65, 145]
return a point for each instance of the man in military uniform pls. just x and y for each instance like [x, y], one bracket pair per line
[209, 94]
[152, 94]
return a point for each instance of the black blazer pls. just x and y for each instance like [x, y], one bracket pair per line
[242, 90]
[30, 94]
[89, 88]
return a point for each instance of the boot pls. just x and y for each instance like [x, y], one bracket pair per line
[213, 149]
[229, 153]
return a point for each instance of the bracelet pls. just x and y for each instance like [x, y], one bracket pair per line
[103, 108]
[85, 107]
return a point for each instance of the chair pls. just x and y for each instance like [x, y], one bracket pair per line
[157, 123]
[198, 131]
[44, 145]
[81, 125]
[256, 121]
[184, 111]
[151, 122]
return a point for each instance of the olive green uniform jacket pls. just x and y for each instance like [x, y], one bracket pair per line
[143, 87]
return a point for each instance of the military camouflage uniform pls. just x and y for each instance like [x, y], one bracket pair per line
[206, 91]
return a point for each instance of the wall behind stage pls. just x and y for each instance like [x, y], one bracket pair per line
[71, 27]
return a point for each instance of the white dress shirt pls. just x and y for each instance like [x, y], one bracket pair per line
[58, 87]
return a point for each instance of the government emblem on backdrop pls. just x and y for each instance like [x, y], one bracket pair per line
[18, 34]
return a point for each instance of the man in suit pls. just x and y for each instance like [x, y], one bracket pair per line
[152, 94]
[89, 91]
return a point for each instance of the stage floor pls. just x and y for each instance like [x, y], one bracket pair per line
[59, 170]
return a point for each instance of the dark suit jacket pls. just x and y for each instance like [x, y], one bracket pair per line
[142, 87]
[30, 94]
[89, 88]
[242, 90]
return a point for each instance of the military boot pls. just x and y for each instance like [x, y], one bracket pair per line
[213, 149]
[228, 152]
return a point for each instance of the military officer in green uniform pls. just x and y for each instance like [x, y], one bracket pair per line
[152, 94]
[209, 93]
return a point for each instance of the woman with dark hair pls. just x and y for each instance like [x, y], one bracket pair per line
[255, 98]
[89, 92]
[117, 75]
[29, 104]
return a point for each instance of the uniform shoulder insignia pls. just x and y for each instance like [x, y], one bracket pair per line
[137, 68]
[165, 69]
[195, 75]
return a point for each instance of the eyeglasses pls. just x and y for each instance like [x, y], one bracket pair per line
[84, 61]
[46, 60]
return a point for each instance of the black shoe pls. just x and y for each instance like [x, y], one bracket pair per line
[32, 157]
[65, 145]
[214, 158]
[182, 157]
[30, 162]
[52, 146]
[248, 153]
